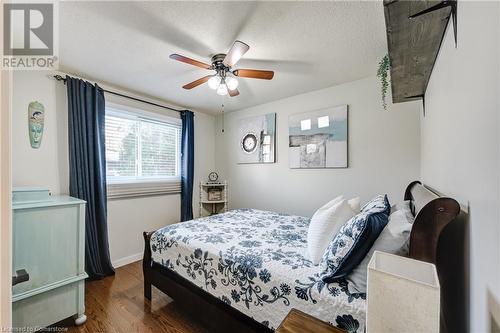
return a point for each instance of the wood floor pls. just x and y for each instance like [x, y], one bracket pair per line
[116, 304]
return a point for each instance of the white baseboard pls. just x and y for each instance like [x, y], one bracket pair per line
[127, 260]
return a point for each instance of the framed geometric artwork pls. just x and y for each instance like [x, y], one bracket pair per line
[318, 139]
[257, 139]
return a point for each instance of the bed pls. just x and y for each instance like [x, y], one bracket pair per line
[242, 271]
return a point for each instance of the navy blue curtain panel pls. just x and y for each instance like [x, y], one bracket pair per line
[187, 165]
[87, 165]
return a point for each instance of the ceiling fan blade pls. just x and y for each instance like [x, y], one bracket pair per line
[190, 61]
[197, 82]
[233, 93]
[254, 74]
[235, 53]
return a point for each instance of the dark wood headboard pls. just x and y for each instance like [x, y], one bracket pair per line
[430, 241]
[432, 214]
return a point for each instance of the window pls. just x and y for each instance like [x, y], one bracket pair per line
[142, 153]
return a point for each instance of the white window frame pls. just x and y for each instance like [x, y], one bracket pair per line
[129, 187]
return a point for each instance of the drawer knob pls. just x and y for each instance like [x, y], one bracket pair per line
[21, 276]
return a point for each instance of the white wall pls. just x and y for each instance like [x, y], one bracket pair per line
[48, 165]
[460, 141]
[5, 198]
[383, 149]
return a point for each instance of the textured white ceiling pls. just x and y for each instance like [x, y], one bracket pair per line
[309, 45]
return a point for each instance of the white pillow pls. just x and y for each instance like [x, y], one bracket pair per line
[393, 239]
[405, 207]
[324, 225]
[395, 208]
[355, 205]
[331, 203]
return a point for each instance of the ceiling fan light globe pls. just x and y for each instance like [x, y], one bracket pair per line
[213, 82]
[222, 90]
[231, 83]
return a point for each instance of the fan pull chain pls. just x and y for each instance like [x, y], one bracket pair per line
[222, 111]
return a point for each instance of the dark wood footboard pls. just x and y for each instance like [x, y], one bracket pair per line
[209, 310]
[146, 264]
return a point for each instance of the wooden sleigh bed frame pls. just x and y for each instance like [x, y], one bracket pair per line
[432, 214]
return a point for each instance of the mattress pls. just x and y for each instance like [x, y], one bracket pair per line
[256, 261]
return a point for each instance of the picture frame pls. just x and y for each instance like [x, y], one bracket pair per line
[318, 139]
[257, 139]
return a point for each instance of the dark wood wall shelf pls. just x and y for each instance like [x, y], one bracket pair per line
[415, 30]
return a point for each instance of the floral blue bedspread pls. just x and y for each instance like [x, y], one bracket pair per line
[256, 261]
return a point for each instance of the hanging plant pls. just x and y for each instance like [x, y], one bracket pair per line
[383, 73]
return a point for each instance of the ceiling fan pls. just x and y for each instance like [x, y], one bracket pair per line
[224, 80]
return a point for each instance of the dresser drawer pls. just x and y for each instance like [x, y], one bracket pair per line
[49, 307]
[46, 243]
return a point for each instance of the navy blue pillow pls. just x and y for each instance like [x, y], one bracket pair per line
[354, 239]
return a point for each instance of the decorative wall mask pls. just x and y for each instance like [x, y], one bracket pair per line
[36, 115]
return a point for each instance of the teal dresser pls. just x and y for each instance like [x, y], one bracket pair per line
[48, 240]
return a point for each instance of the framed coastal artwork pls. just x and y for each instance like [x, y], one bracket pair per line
[257, 139]
[318, 139]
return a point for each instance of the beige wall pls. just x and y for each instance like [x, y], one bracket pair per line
[460, 141]
[383, 150]
[48, 165]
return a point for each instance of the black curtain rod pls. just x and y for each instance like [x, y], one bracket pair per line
[60, 78]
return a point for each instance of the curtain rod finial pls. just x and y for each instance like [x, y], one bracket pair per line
[59, 78]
